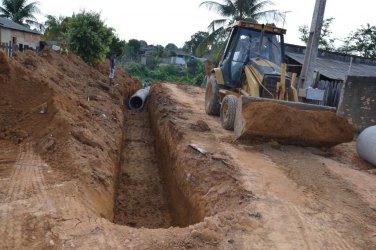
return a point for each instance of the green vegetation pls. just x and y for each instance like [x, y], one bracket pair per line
[195, 41]
[171, 73]
[362, 42]
[326, 42]
[56, 28]
[83, 27]
[117, 47]
[231, 10]
[132, 49]
[89, 37]
[20, 11]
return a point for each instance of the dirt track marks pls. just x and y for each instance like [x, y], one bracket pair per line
[334, 214]
[27, 177]
[316, 230]
[26, 180]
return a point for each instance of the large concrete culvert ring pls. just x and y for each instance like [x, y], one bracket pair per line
[137, 100]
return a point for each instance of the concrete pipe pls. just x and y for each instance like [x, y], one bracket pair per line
[366, 145]
[137, 100]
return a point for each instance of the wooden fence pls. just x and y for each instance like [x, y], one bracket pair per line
[332, 92]
[7, 47]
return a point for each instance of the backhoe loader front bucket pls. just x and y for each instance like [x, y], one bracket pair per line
[290, 122]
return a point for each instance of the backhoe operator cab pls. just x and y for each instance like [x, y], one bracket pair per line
[247, 44]
[252, 64]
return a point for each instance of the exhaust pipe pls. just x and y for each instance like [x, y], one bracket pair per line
[137, 100]
[366, 145]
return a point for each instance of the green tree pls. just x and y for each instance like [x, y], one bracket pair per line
[160, 51]
[171, 46]
[326, 42]
[132, 49]
[195, 41]
[56, 28]
[194, 67]
[21, 12]
[362, 42]
[171, 49]
[231, 11]
[143, 43]
[89, 37]
[117, 47]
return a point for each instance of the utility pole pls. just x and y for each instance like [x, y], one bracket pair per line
[306, 76]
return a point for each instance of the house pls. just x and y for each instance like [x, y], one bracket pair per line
[179, 60]
[13, 34]
[333, 66]
[332, 70]
[349, 83]
[147, 53]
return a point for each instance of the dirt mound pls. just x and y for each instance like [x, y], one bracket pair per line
[59, 105]
[4, 63]
[292, 126]
[35, 85]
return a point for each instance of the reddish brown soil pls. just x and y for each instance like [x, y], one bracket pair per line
[67, 145]
[141, 200]
[293, 126]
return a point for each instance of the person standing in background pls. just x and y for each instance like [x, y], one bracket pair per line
[64, 47]
[112, 68]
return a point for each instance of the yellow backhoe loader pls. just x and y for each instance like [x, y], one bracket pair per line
[255, 97]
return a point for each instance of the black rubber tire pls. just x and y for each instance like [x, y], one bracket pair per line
[228, 111]
[212, 104]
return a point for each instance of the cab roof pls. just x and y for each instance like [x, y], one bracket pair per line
[256, 26]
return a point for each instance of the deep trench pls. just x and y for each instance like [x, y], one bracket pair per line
[147, 195]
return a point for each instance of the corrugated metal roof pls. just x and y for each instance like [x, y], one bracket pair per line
[6, 23]
[337, 69]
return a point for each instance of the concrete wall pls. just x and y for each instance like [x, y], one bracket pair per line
[358, 101]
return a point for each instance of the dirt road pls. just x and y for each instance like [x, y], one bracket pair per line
[77, 170]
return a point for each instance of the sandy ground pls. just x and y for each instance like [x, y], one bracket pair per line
[78, 170]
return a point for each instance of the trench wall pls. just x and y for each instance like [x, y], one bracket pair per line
[358, 101]
[185, 200]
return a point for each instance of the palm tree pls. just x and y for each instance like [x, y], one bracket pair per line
[233, 10]
[56, 28]
[20, 11]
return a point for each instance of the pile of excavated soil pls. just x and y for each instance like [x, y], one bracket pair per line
[292, 126]
[62, 124]
[38, 90]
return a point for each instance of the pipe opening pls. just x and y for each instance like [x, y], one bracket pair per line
[136, 103]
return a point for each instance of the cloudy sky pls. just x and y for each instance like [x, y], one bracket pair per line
[174, 21]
